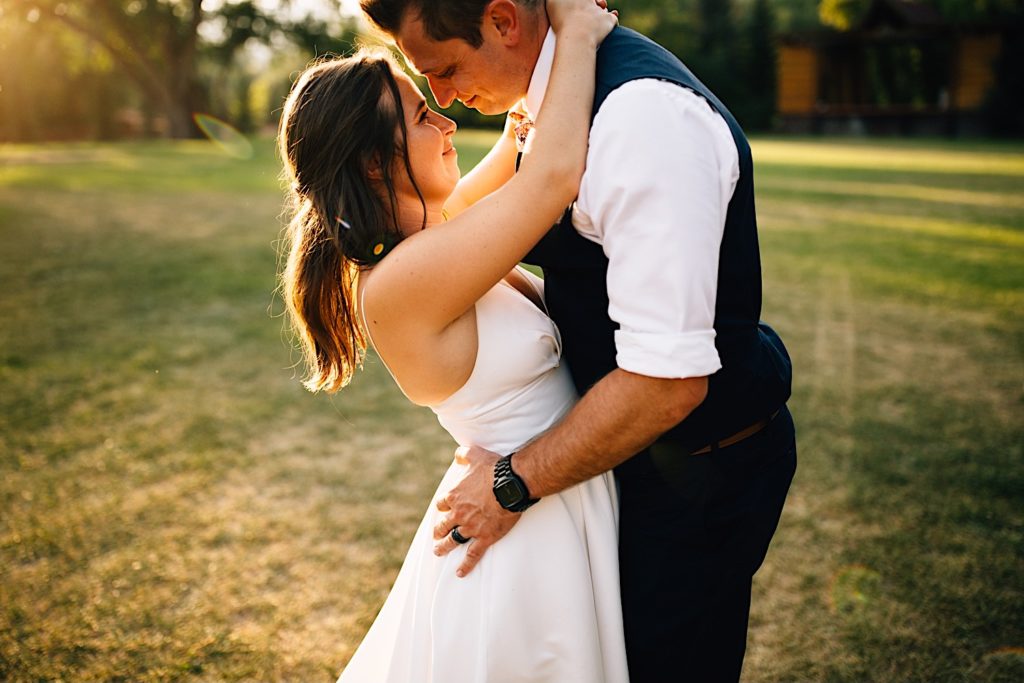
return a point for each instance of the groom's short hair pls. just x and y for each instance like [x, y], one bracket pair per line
[442, 19]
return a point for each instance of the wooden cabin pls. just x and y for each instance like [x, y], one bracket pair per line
[902, 70]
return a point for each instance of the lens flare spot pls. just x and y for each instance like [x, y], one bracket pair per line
[854, 587]
[225, 136]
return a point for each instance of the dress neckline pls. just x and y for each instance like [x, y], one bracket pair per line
[476, 361]
[543, 307]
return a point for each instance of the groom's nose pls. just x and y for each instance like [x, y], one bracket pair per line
[444, 94]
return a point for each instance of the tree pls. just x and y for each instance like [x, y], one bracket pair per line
[729, 46]
[717, 56]
[158, 44]
[153, 43]
[55, 84]
[980, 10]
[671, 23]
[795, 15]
[841, 14]
[716, 25]
[844, 14]
[760, 63]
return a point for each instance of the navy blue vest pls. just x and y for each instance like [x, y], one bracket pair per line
[756, 372]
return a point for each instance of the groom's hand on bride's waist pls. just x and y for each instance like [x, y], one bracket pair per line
[472, 507]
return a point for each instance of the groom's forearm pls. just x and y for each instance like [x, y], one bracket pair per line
[620, 416]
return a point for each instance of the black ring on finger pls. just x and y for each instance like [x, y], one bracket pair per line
[459, 538]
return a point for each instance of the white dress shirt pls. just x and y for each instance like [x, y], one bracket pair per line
[661, 170]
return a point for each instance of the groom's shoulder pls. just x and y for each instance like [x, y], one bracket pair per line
[626, 54]
[623, 38]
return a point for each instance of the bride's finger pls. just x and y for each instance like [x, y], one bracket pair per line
[443, 505]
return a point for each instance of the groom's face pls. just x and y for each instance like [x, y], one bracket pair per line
[490, 79]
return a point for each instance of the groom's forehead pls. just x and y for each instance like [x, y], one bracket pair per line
[422, 52]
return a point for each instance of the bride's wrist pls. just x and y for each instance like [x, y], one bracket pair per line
[579, 35]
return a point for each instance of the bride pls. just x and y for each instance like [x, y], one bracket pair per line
[388, 245]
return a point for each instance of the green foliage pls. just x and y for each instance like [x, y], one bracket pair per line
[730, 47]
[844, 14]
[672, 24]
[151, 42]
[980, 10]
[246, 92]
[715, 27]
[113, 68]
[54, 85]
[760, 75]
[795, 15]
[240, 23]
[178, 57]
[841, 14]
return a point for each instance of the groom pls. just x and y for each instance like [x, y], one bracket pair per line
[654, 279]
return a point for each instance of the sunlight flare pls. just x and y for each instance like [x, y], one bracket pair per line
[224, 136]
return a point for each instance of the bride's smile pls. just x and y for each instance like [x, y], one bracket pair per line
[430, 150]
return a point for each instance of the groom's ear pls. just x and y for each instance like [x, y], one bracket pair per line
[504, 18]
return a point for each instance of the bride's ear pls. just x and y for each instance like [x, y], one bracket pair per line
[503, 17]
[373, 170]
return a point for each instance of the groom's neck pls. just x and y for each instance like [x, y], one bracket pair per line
[537, 32]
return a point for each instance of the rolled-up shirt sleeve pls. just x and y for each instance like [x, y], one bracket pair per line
[661, 171]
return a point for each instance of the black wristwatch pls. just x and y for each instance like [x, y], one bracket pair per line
[509, 488]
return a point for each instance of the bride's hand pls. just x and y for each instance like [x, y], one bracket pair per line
[587, 18]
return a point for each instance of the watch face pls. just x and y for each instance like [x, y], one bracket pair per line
[509, 493]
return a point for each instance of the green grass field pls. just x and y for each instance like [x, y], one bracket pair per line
[175, 507]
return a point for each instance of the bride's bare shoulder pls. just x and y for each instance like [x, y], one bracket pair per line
[428, 364]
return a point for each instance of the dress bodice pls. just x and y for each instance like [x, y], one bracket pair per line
[518, 387]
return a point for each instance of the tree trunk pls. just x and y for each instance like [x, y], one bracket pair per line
[168, 82]
[181, 104]
[179, 121]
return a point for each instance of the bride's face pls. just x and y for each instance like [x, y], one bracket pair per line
[432, 156]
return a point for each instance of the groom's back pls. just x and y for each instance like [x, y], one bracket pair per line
[755, 377]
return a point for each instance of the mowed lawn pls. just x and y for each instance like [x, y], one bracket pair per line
[175, 507]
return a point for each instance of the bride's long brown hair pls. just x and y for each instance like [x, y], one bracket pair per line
[341, 117]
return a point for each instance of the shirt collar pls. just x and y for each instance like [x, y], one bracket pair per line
[541, 76]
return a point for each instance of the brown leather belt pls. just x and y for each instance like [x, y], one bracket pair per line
[738, 436]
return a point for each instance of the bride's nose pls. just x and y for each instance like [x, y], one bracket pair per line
[449, 125]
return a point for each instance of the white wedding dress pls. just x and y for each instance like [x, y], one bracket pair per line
[542, 606]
